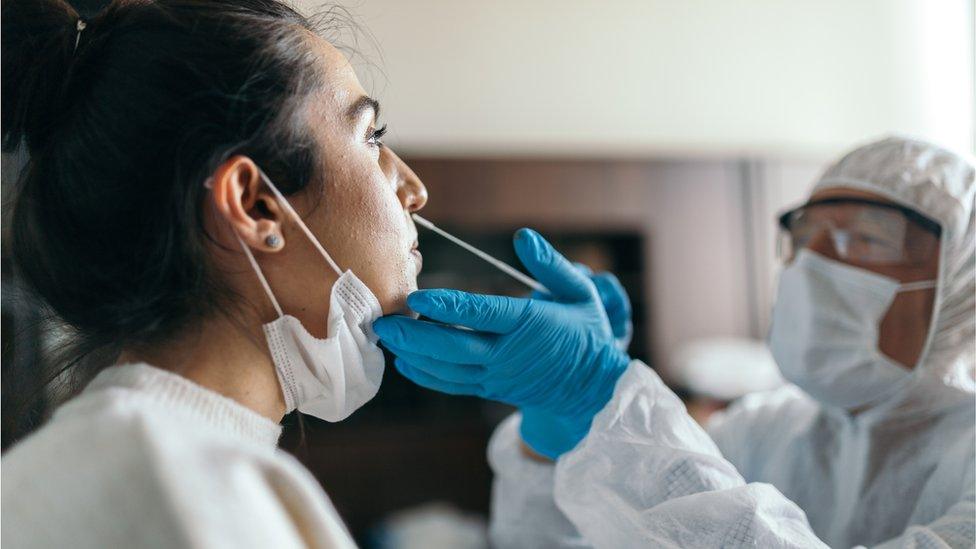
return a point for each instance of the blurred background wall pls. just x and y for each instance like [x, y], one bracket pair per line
[657, 139]
[805, 78]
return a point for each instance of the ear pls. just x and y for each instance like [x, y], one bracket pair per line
[250, 208]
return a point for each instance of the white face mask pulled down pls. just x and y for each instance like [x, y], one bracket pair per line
[327, 378]
[824, 331]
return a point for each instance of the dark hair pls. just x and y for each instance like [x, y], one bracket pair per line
[121, 133]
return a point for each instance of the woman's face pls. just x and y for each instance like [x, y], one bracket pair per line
[361, 212]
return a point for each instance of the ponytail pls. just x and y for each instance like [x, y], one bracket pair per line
[38, 40]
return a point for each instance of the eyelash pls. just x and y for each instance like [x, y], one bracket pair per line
[375, 136]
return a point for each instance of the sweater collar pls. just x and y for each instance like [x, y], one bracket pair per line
[173, 390]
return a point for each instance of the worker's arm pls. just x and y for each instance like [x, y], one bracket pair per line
[523, 510]
[648, 475]
[692, 498]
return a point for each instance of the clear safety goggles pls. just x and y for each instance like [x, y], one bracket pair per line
[859, 231]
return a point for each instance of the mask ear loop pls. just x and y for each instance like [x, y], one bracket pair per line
[918, 285]
[301, 224]
[254, 264]
[250, 256]
[260, 273]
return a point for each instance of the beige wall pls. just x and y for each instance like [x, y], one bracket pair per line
[627, 77]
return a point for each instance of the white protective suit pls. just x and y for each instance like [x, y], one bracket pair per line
[779, 469]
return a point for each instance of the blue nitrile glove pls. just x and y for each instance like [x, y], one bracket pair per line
[615, 300]
[556, 360]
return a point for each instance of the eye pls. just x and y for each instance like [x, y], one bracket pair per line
[374, 136]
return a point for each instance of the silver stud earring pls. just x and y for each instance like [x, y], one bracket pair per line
[272, 241]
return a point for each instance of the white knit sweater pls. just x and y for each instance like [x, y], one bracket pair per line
[146, 458]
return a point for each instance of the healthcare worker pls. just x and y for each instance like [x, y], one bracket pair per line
[873, 445]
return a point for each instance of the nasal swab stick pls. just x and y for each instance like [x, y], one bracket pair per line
[500, 265]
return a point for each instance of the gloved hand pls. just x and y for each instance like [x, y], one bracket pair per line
[615, 300]
[556, 360]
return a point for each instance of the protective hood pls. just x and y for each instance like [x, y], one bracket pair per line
[940, 185]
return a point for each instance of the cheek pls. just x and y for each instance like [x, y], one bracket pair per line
[905, 327]
[367, 229]
[909, 311]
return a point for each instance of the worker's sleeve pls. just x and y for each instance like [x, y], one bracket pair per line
[523, 511]
[647, 475]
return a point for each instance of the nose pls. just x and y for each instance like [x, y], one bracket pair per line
[411, 190]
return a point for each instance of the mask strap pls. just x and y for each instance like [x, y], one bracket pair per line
[257, 270]
[287, 205]
[919, 285]
[250, 256]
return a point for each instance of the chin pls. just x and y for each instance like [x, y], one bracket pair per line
[396, 302]
[398, 307]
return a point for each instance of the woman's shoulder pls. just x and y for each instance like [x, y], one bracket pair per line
[98, 444]
[108, 428]
[126, 467]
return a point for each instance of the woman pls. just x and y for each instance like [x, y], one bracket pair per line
[208, 200]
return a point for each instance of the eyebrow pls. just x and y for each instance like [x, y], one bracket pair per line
[361, 105]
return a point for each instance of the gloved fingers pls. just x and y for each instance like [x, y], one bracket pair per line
[426, 380]
[443, 370]
[550, 268]
[544, 296]
[438, 341]
[488, 313]
[615, 301]
[583, 268]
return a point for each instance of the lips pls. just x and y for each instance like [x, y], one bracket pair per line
[418, 258]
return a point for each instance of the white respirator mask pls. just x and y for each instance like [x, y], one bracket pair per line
[333, 377]
[824, 331]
